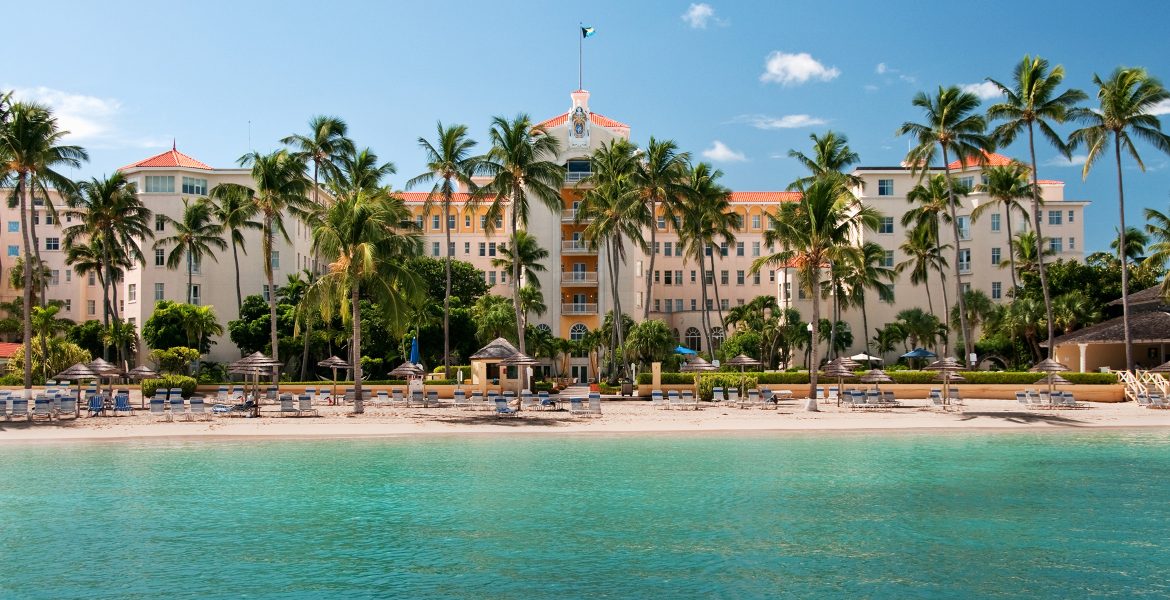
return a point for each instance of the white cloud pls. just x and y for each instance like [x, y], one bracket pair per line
[869, 87]
[1076, 160]
[90, 120]
[985, 90]
[784, 122]
[1161, 108]
[795, 69]
[881, 69]
[698, 15]
[719, 152]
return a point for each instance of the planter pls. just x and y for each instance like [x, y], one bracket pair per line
[593, 387]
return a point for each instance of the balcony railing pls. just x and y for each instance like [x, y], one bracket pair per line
[569, 215]
[579, 277]
[579, 308]
[575, 176]
[577, 247]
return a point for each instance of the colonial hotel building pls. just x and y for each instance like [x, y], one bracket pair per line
[574, 283]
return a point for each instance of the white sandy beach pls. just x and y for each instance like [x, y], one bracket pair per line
[618, 417]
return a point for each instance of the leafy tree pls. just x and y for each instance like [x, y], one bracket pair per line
[61, 355]
[325, 144]
[660, 178]
[1135, 245]
[648, 342]
[88, 336]
[704, 216]
[1007, 186]
[467, 283]
[1128, 99]
[494, 317]
[233, 210]
[168, 327]
[175, 361]
[527, 253]
[832, 157]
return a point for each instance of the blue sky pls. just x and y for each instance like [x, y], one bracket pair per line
[128, 78]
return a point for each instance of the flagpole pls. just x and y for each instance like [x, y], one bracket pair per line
[580, 60]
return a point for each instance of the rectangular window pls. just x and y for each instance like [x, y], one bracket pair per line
[275, 259]
[723, 249]
[888, 259]
[451, 222]
[418, 221]
[92, 278]
[159, 292]
[195, 185]
[1072, 243]
[710, 303]
[435, 222]
[451, 249]
[658, 305]
[787, 290]
[13, 226]
[132, 292]
[964, 227]
[491, 249]
[755, 248]
[491, 277]
[13, 250]
[996, 290]
[657, 248]
[1056, 244]
[707, 250]
[499, 222]
[196, 264]
[1055, 217]
[68, 305]
[1071, 216]
[739, 248]
[668, 247]
[771, 277]
[48, 218]
[739, 277]
[657, 276]
[800, 293]
[724, 303]
[887, 225]
[68, 275]
[678, 277]
[968, 183]
[160, 184]
[995, 256]
[885, 187]
[994, 222]
[160, 257]
[693, 276]
[503, 277]
[483, 222]
[52, 243]
[55, 277]
[467, 247]
[724, 277]
[160, 223]
[467, 222]
[965, 260]
[91, 307]
[678, 305]
[483, 248]
[755, 221]
[661, 222]
[434, 248]
[36, 218]
[197, 294]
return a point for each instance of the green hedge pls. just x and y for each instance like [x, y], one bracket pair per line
[543, 386]
[439, 382]
[709, 381]
[914, 377]
[187, 384]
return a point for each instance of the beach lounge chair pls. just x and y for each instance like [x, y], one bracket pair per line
[1156, 401]
[42, 407]
[198, 410]
[546, 402]
[178, 409]
[416, 398]
[527, 400]
[67, 405]
[594, 404]
[717, 394]
[956, 397]
[834, 394]
[753, 399]
[288, 406]
[221, 394]
[476, 402]
[733, 396]
[576, 406]
[873, 399]
[503, 410]
[311, 391]
[305, 405]
[19, 407]
[122, 404]
[158, 406]
[459, 399]
[656, 400]
[820, 393]
[95, 405]
[237, 395]
[382, 397]
[1022, 399]
[673, 400]
[689, 401]
[396, 398]
[432, 398]
[889, 399]
[5, 399]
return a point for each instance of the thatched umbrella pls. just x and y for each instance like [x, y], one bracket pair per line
[77, 373]
[875, 376]
[335, 363]
[839, 371]
[742, 361]
[520, 361]
[255, 364]
[141, 372]
[694, 365]
[948, 369]
[1050, 367]
[407, 369]
[104, 369]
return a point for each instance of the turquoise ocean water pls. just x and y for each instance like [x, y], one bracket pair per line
[958, 515]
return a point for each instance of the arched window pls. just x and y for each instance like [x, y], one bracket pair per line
[717, 337]
[694, 340]
[577, 332]
[544, 327]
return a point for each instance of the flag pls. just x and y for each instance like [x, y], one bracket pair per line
[587, 32]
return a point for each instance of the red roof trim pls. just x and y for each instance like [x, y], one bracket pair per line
[991, 160]
[595, 118]
[7, 349]
[764, 197]
[1050, 182]
[171, 158]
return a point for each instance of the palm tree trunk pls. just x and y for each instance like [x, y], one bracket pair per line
[356, 350]
[1121, 256]
[275, 341]
[617, 304]
[447, 296]
[705, 316]
[813, 360]
[946, 320]
[653, 254]
[967, 343]
[1011, 247]
[516, 279]
[239, 294]
[864, 323]
[715, 285]
[305, 350]
[26, 293]
[1040, 241]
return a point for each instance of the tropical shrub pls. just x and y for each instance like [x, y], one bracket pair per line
[174, 360]
[61, 355]
[709, 381]
[187, 384]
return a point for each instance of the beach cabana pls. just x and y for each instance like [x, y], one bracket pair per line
[521, 361]
[335, 364]
[485, 364]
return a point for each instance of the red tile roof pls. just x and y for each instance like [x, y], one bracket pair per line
[7, 349]
[171, 158]
[991, 160]
[1050, 182]
[594, 117]
[764, 196]
[422, 196]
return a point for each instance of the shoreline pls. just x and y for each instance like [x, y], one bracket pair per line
[622, 419]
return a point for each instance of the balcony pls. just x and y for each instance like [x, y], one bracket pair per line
[575, 176]
[578, 308]
[577, 247]
[582, 278]
[569, 215]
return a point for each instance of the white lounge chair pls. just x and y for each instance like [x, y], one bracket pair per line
[305, 405]
[674, 400]
[288, 406]
[688, 400]
[656, 400]
[158, 407]
[178, 409]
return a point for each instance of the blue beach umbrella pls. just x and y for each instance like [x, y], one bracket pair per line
[414, 350]
[683, 350]
[919, 353]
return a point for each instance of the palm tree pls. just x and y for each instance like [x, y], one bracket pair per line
[868, 272]
[526, 252]
[1007, 186]
[234, 211]
[1158, 227]
[520, 163]
[831, 156]
[661, 179]
[450, 165]
[30, 146]
[361, 234]
[704, 216]
[920, 328]
[47, 325]
[1032, 102]
[200, 324]
[952, 127]
[1135, 241]
[813, 233]
[615, 212]
[532, 302]
[197, 235]
[123, 336]
[1073, 310]
[280, 188]
[1023, 253]
[1127, 100]
[324, 145]
[978, 305]
[925, 255]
